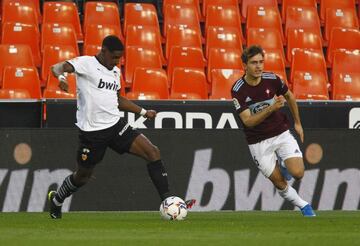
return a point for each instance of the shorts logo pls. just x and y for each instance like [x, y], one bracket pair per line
[124, 129]
[84, 155]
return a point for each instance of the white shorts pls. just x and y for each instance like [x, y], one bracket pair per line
[266, 152]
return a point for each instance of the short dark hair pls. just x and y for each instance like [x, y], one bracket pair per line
[113, 43]
[251, 51]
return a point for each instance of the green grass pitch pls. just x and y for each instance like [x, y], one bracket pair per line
[200, 228]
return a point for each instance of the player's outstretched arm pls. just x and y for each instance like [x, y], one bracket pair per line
[58, 71]
[251, 120]
[129, 106]
[295, 113]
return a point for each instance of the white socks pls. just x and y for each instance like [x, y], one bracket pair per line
[290, 194]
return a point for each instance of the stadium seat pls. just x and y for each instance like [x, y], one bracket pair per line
[183, 37]
[139, 57]
[346, 87]
[264, 3]
[346, 62]
[140, 14]
[101, 13]
[58, 34]
[15, 55]
[302, 39]
[194, 3]
[269, 39]
[19, 12]
[58, 94]
[95, 34]
[302, 18]
[223, 16]
[305, 61]
[145, 37]
[264, 17]
[296, 3]
[62, 12]
[342, 18]
[31, 3]
[342, 39]
[26, 78]
[27, 34]
[224, 59]
[223, 37]
[274, 62]
[188, 83]
[181, 15]
[310, 86]
[207, 3]
[52, 83]
[150, 81]
[222, 81]
[334, 4]
[186, 58]
[53, 55]
[14, 94]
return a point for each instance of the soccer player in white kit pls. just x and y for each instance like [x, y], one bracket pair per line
[257, 97]
[99, 123]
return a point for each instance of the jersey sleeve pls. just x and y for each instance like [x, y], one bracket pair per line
[239, 101]
[282, 88]
[80, 64]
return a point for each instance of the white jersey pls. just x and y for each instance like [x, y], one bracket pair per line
[97, 94]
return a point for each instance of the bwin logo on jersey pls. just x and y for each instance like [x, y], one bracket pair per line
[260, 107]
[108, 85]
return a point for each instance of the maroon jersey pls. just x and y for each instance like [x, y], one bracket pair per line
[256, 98]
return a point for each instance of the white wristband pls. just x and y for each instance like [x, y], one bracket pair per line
[143, 112]
[62, 78]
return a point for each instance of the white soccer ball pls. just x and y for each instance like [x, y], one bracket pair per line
[173, 208]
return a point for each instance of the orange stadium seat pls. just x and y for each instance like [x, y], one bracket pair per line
[310, 86]
[302, 18]
[58, 34]
[346, 87]
[151, 81]
[264, 3]
[274, 62]
[305, 61]
[346, 62]
[224, 59]
[94, 36]
[223, 16]
[221, 82]
[334, 4]
[14, 94]
[194, 3]
[264, 17]
[28, 34]
[296, 3]
[53, 55]
[26, 78]
[15, 55]
[19, 12]
[188, 83]
[183, 37]
[101, 13]
[31, 3]
[343, 18]
[139, 57]
[343, 39]
[58, 94]
[62, 12]
[145, 37]
[302, 39]
[207, 3]
[52, 89]
[186, 58]
[181, 15]
[223, 37]
[269, 39]
[140, 14]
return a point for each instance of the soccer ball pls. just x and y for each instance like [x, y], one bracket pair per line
[173, 208]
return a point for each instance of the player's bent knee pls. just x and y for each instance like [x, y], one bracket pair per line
[153, 153]
[299, 174]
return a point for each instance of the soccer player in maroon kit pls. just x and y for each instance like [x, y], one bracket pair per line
[257, 97]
